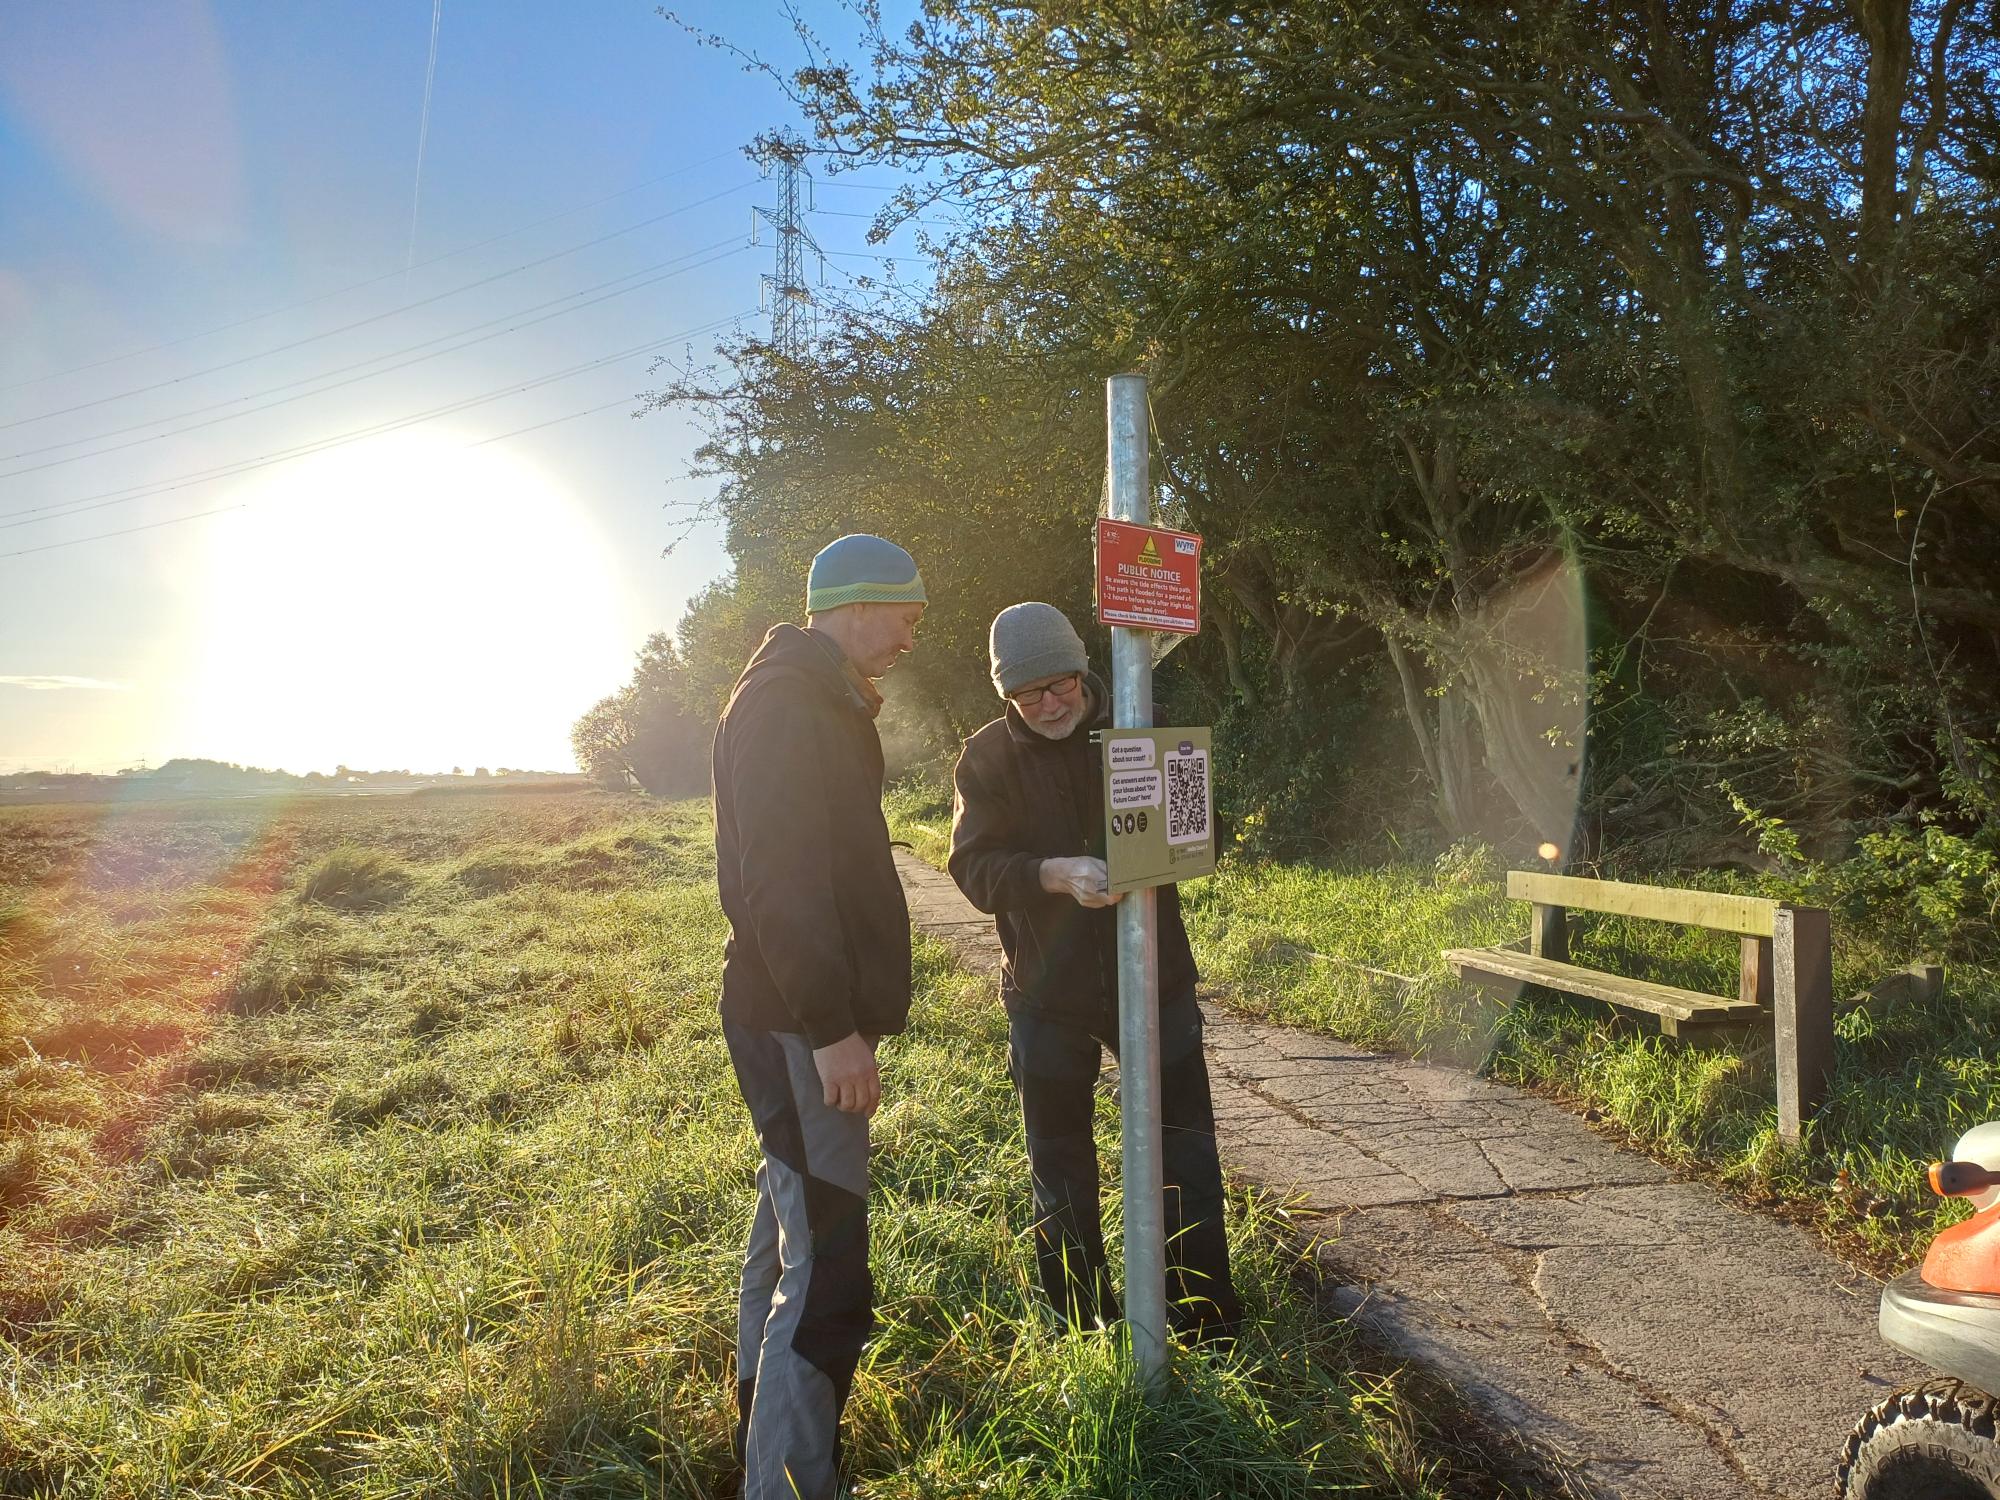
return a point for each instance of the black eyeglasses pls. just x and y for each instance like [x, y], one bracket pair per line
[1029, 697]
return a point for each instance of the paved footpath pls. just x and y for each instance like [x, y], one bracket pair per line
[1650, 1337]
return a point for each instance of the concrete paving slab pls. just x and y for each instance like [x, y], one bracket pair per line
[1555, 1222]
[1655, 1340]
[1460, 1309]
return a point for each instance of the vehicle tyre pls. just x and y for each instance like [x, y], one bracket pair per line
[1936, 1442]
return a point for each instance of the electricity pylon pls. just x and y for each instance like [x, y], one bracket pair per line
[791, 299]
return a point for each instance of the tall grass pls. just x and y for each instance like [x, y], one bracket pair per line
[919, 812]
[438, 1188]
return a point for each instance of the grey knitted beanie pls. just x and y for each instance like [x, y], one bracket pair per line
[1030, 641]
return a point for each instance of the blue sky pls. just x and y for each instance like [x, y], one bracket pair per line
[441, 594]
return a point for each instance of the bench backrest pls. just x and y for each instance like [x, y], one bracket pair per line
[1747, 916]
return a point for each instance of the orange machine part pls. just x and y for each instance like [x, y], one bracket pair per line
[1966, 1257]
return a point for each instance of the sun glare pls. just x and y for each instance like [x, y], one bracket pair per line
[403, 603]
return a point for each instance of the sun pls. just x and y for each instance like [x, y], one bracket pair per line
[403, 603]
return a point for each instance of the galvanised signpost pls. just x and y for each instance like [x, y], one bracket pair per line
[1157, 823]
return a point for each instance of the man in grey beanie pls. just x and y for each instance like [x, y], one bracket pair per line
[1027, 845]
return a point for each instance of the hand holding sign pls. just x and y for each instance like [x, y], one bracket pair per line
[1079, 877]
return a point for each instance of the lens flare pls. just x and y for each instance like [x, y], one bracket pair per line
[409, 603]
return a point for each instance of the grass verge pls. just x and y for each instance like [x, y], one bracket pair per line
[416, 1167]
[1355, 951]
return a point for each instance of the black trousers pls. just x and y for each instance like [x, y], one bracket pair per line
[1054, 1065]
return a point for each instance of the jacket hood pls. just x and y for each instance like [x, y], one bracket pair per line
[804, 653]
[1099, 717]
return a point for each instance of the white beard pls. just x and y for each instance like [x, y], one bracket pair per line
[1060, 730]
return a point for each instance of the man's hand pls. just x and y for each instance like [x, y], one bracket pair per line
[848, 1073]
[1081, 877]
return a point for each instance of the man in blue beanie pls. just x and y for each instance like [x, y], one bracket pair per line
[1027, 845]
[816, 973]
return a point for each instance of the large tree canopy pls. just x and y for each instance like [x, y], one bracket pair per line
[1580, 400]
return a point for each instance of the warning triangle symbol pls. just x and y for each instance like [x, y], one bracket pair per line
[1149, 554]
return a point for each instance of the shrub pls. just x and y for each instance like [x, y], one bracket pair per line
[352, 878]
[1925, 885]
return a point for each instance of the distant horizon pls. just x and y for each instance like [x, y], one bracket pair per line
[8, 769]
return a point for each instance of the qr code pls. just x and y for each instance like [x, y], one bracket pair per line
[1187, 796]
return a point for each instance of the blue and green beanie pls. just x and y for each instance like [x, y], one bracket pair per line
[862, 569]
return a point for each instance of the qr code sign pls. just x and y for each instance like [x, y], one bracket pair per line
[1187, 794]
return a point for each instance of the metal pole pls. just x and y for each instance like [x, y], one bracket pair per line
[1138, 933]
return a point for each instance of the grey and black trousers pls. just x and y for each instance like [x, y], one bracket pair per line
[807, 1300]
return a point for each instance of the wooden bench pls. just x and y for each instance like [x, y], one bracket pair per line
[1785, 972]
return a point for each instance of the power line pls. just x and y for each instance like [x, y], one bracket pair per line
[356, 286]
[588, 411]
[673, 261]
[230, 364]
[60, 510]
[353, 379]
[83, 505]
[397, 426]
[196, 411]
[854, 213]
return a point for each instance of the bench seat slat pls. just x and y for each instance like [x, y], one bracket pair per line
[1747, 916]
[1572, 979]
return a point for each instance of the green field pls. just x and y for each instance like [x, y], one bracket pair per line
[389, 1147]
[1298, 942]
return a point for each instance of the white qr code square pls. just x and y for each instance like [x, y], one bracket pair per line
[1187, 794]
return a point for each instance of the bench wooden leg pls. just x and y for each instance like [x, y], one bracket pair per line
[1549, 936]
[1802, 1004]
[1754, 977]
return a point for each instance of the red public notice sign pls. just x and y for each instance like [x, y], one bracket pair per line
[1148, 578]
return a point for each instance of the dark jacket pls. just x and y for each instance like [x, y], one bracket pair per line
[819, 932]
[1021, 799]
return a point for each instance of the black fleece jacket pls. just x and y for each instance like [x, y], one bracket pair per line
[1020, 799]
[819, 932]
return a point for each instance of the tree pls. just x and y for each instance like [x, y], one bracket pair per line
[1549, 376]
[646, 733]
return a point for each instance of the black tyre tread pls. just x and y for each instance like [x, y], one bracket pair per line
[1965, 1420]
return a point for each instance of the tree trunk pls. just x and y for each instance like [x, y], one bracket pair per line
[1230, 635]
[1457, 789]
[1885, 26]
[1523, 656]
[1443, 745]
[1534, 755]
